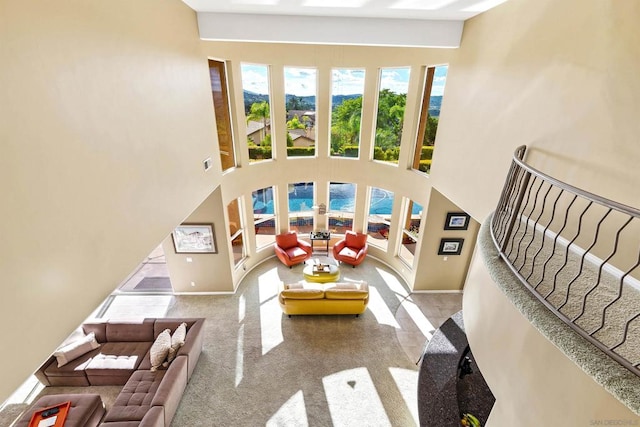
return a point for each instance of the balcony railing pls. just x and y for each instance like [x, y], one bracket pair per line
[578, 253]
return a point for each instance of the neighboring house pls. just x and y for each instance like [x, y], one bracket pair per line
[301, 140]
[256, 131]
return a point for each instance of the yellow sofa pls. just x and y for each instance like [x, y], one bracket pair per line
[324, 298]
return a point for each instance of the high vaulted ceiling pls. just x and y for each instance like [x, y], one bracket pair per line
[416, 23]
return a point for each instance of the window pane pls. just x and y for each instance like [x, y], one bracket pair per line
[435, 79]
[257, 110]
[300, 98]
[347, 88]
[410, 231]
[301, 196]
[342, 203]
[236, 232]
[394, 85]
[220, 94]
[264, 216]
[379, 218]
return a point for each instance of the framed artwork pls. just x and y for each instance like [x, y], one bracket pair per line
[456, 221]
[450, 246]
[194, 239]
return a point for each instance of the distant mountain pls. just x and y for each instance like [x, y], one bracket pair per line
[309, 102]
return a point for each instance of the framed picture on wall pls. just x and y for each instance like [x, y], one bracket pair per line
[456, 221]
[194, 239]
[450, 246]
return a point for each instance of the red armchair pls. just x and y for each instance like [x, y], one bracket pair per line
[352, 249]
[290, 250]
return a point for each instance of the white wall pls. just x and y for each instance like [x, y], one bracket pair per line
[105, 119]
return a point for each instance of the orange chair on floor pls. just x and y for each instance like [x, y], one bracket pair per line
[352, 249]
[290, 250]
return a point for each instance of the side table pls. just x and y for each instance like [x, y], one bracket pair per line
[322, 236]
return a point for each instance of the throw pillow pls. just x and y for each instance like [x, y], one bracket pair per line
[177, 341]
[76, 349]
[160, 349]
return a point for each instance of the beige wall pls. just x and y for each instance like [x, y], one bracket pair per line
[534, 383]
[440, 272]
[203, 272]
[105, 119]
[560, 76]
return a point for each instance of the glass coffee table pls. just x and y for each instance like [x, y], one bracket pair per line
[330, 273]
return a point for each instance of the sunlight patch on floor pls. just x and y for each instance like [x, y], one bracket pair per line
[268, 283]
[351, 395]
[421, 321]
[392, 282]
[380, 310]
[240, 356]
[242, 308]
[407, 382]
[270, 325]
[292, 413]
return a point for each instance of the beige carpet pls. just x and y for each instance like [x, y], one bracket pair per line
[259, 367]
[582, 290]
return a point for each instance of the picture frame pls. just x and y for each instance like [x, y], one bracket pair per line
[450, 246]
[456, 221]
[194, 239]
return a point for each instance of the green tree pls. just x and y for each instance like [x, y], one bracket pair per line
[389, 119]
[430, 132]
[260, 111]
[295, 123]
[345, 124]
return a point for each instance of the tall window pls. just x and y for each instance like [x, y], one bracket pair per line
[301, 197]
[236, 231]
[435, 78]
[300, 96]
[264, 216]
[220, 93]
[392, 98]
[410, 231]
[342, 203]
[379, 217]
[347, 88]
[257, 110]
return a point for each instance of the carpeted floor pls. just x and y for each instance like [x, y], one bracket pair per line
[259, 367]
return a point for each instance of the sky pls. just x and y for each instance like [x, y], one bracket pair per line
[302, 81]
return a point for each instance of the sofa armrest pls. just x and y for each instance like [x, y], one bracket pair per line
[153, 418]
[171, 388]
[193, 345]
[40, 375]
[363, 252]
[340, 244]
[306, 246]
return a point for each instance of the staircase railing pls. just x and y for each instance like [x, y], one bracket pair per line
[578, 253]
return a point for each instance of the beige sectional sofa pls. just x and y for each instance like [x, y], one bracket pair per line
[149, 397]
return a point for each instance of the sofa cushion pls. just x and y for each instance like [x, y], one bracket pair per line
[98, 328]
[347, 252]
[130, 331]
[117, 358]
[134, 401]
[347, 291]
[355, 240]
[75, 368]
[287, 240]
[295, 252]
[177, 341]
[302, 293]
[160, 349]
[76, 349]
